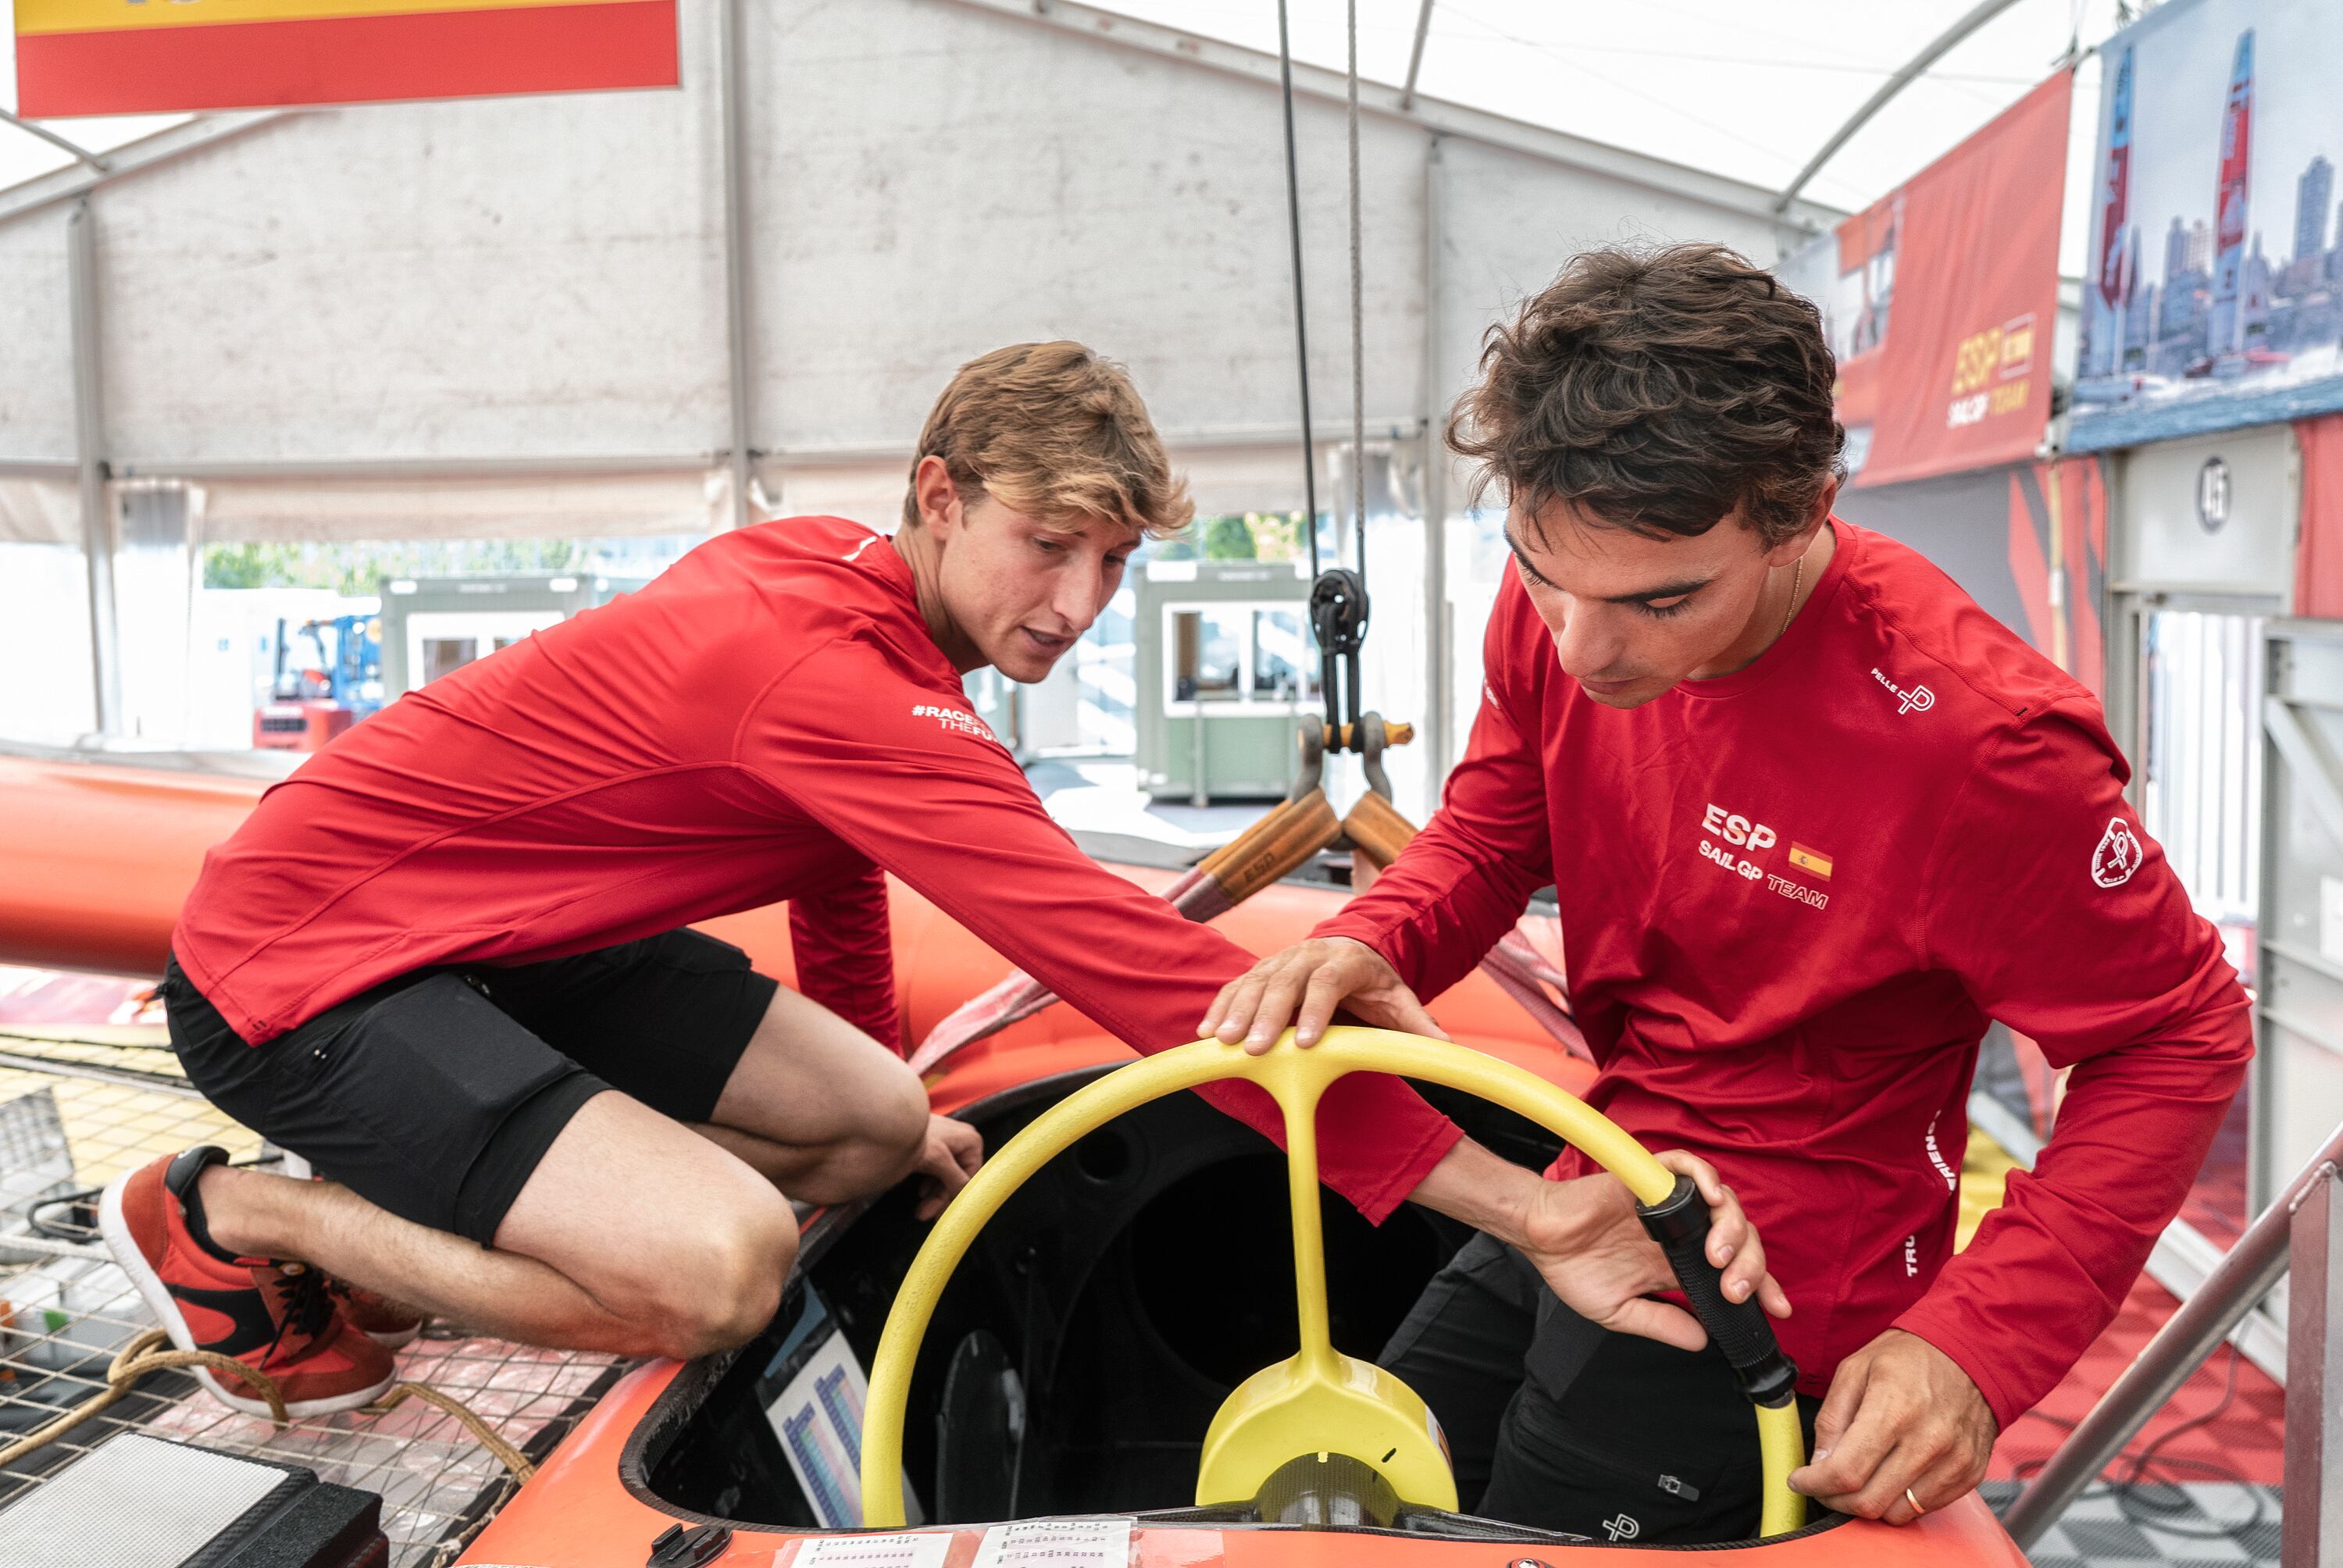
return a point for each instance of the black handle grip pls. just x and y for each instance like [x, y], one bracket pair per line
[1679, 1223]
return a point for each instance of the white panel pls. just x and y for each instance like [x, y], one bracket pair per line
[602, 506]
[36, 408]
[2166, 544]
[40, 511]
[134, 1503]
[870, 492]
[493, 278]
[45, 644]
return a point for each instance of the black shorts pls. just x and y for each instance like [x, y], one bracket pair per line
[1556, 1422]
[434, 1095]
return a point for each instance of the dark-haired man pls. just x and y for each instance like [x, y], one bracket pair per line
[1813, 817]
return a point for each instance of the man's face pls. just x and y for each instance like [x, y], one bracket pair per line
[1632, 615]
[1022, 591]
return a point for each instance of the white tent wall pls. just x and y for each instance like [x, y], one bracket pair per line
[423, 320]
[36, 395]
[508, 279]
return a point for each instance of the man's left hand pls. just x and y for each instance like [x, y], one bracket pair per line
[1901, 1413]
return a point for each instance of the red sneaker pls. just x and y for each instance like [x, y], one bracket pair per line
[388, 1323]
[276, 1316]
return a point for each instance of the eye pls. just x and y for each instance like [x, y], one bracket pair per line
[1660, 609]
[1116, 563]
[1047, 545]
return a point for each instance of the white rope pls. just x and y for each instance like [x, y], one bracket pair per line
[1358, 324]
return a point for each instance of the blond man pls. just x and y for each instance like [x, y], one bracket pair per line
[447, 962]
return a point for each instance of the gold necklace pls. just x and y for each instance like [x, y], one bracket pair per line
[1791, 610]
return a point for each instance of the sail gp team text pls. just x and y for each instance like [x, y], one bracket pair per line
[1741, 867]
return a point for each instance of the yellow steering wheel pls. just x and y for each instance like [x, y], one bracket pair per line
[1321, 1402]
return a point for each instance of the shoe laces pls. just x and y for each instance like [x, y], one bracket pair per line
[305, 1306]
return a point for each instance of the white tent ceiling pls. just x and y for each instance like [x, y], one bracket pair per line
[1744, 88]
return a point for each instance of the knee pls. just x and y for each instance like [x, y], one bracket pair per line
[723, 1278]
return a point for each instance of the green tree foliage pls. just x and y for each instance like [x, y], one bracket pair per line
[1227, 539]
[359, 565]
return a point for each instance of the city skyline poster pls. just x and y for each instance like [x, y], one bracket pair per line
[2214, 297]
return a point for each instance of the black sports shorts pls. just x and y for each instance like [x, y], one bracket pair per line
[434, 1095]
[1555, 1421]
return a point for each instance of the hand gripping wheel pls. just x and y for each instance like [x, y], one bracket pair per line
[1320, 1401]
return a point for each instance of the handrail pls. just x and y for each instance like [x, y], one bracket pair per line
[2258, 1261]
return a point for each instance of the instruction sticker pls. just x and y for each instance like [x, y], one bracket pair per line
[924, 1550]
[1056, 1544]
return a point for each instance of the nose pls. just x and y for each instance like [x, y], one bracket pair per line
[1077, 597]
[1584, 640]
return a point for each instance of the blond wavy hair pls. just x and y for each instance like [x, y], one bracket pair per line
[1058, 433]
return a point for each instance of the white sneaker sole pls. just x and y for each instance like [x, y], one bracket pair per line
[116, 1229]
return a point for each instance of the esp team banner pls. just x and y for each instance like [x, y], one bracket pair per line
[1941, 301]
[152, 56]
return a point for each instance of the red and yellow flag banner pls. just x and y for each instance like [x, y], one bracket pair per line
[157, 56]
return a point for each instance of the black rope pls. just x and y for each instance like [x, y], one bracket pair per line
[1301, 324]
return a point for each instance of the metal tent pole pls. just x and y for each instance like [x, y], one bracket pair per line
[2244, 1277]
[1435, 485]
[1416, 56]
[89, 453]
[735, 254]
[2313, 1521]
[1939, 46]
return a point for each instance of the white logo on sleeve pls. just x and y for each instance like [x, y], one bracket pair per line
[955, 722]
[2118, 856]
[1918, 700]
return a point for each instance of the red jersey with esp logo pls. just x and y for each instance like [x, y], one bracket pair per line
[1791, 899]
[769, 720]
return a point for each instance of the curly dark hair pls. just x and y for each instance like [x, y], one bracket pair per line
[1657, 390]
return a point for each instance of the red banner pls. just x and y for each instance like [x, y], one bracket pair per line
[2319, 549]
[1942, 301]
[106, 57]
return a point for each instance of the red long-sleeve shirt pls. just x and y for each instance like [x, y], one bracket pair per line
[767, 720]
[1791, 899]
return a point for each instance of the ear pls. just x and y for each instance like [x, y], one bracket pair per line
[1794, 547]
[938, 498]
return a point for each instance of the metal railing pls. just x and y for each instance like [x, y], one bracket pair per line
[2295, 1231]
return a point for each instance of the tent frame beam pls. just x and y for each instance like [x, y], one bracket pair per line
[1911, 71]
[1456, 121]
[80, 154]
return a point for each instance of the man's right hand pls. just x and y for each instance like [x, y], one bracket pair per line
[1317, 976]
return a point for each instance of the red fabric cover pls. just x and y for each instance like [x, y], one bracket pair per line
[1807, 1013]
[2319, 552]
[767, 720]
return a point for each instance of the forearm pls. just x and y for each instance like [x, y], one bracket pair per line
[1481, 1189]
[2048, 1269]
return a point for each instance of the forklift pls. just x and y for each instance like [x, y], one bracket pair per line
[335, 682]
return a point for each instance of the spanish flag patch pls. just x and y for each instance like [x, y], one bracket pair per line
[1808, 859]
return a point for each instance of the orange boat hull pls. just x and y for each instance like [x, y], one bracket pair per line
[95, 859]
